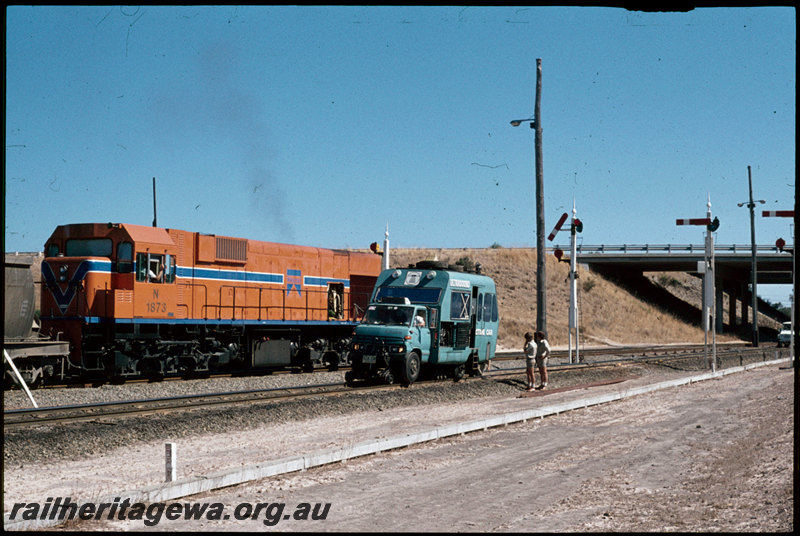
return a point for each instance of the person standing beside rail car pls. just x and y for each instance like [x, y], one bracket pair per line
[542, 353]
[529, 349]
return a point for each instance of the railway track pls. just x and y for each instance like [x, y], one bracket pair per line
[633, 351]
[110, 411]
[20, 418]
[584, 354]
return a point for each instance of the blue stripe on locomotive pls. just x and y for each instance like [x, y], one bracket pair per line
[182, 272]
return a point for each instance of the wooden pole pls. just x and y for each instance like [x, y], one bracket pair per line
[155, 222]
[541, 278]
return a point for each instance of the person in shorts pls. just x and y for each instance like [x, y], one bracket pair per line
[529, 349]
[542, 353]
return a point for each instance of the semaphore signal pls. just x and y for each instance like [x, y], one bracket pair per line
[778, 213]
[709, 302]
[693, 221]
[557, 228]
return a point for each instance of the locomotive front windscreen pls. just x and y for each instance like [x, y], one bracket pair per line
[414, 295]
[88, 247]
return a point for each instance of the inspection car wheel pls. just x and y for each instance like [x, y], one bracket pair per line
[410, 370]
[458, 372]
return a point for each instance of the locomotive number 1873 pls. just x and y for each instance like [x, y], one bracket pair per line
[156, 307]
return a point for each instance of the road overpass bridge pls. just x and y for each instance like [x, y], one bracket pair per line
[733, 267]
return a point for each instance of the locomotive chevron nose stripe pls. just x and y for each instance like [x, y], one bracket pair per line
[64, 298]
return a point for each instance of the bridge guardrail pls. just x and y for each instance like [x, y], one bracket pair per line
[670, 248]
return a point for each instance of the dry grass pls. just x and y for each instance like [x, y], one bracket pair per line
[608, 314]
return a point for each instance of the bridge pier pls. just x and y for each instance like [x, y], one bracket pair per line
[746, 301]
[733, 295]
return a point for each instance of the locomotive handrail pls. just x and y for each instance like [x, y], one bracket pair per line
[311, 313]
[263, 311]
[203, 307]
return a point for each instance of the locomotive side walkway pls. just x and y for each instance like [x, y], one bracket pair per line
[206, 462]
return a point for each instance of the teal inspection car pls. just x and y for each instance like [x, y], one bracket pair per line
[425, 319]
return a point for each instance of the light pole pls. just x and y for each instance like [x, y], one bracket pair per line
[751, 205]
[541, 283]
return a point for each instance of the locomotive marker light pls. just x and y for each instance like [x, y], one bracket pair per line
[707, 267]
[751, 205]
[780, 243]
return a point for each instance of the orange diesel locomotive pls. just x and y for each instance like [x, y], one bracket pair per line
[134, 300]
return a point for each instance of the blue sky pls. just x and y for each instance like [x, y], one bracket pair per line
[321, 125]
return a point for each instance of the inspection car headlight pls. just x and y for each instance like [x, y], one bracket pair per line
[431, 274]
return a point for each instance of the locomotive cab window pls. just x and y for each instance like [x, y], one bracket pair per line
[154, 268]
[52, 250]
[125, 257]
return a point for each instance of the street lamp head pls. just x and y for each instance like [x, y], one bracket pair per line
[518, 122]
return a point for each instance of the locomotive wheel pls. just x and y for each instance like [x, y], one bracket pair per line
[410, 371]
[331, 360]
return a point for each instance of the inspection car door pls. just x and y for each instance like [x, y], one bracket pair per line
[421, 333]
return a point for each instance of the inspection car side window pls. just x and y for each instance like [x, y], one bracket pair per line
[459, 305]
